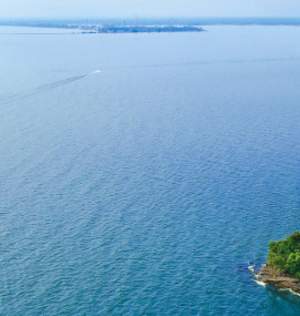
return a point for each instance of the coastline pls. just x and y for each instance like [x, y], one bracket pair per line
[268, 276]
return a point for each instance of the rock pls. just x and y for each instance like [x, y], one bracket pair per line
[272, 277]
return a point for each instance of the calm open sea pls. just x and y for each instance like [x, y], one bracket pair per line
[140, 173]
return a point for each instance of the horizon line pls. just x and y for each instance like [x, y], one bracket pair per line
[143, 17]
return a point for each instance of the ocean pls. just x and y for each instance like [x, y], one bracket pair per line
[141, 173]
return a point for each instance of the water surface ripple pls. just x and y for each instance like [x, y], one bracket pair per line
[147, 190]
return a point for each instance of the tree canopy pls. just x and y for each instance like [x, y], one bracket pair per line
[284, 255]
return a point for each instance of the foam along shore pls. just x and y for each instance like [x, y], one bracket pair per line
[268, 276]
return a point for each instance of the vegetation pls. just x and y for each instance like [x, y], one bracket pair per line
[284, 255]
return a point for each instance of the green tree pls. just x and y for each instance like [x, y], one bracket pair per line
[284, 255]
[293, 264]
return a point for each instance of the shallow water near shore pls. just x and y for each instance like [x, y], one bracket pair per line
[146, 187]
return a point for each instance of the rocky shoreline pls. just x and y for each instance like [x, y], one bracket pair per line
[267, 275]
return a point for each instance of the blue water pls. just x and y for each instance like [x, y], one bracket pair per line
[146, 188]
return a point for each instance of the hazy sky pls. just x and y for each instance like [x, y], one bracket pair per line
[140, 8]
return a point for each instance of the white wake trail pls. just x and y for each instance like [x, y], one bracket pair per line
[46, 87]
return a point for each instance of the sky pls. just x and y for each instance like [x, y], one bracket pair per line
[149, 8]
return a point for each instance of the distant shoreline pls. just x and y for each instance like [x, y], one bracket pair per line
[145, 25]
[114, 29]
[139, 29]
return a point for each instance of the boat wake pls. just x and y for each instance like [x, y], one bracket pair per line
[44, 88]
[69, 80]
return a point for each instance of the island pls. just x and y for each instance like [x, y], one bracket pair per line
[282, 270]
[100, 26]
[114, 28]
